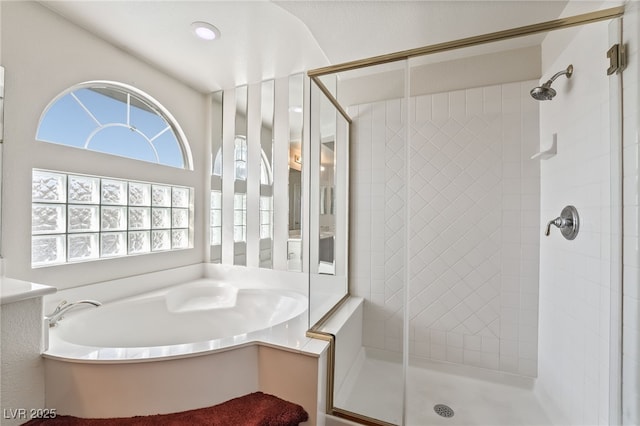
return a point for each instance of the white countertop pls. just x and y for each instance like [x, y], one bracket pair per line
[12, 290]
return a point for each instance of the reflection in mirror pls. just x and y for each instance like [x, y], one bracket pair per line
[266, 175]
[330, 82]
[326, 211]
[329, 195]
[261, 128]
[215, 221]
[296, 119]
[340, 204]
[240, 180]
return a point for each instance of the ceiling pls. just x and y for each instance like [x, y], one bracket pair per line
[266, 39]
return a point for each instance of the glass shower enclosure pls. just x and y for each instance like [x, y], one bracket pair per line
[455, 171]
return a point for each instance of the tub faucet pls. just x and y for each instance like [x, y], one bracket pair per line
[65, 306]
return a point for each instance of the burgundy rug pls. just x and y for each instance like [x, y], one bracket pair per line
[255, 409]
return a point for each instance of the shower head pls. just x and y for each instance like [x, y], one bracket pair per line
[545, 92]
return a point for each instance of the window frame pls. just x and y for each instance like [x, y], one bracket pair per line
[181, 138]
[65, 203]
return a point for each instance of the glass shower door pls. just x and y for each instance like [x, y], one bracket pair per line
[369, 378]
[455, 175]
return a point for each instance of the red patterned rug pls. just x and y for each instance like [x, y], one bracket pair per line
[255, 409]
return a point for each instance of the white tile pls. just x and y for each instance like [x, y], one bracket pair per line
[439, 352]
[489, 360]
[510, 300]
[509, 364]
[527, 367]
[528, 350]
[440, 107]
[631, 274]
[631, 220]
[630, 156]
[492, 102]
[455, 355]
[631, 251]
[438, 338]
[508, 331]
[393, 344]
[529, 317]
[457, 105]
[490, 345]
[457, 276]
[509, 315]
[473, 358]
[631, 190]
[511, 91]
[423, 108]
[472, 343]
[474, 101]
[422, 349]
[509, 348]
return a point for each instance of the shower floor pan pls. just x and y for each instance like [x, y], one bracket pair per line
[373, 387]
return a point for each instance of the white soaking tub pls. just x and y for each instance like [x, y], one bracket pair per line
[183, 320]
[187, 346]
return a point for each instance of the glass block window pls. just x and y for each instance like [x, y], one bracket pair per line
[216, 218]
[266, 218]
[75, 218]
[240, 218]
[115, 119]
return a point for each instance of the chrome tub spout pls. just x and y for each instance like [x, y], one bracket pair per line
[65, 306]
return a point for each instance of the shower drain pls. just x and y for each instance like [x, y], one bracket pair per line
[443, 410]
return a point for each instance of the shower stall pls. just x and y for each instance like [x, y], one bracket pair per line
[461, 159]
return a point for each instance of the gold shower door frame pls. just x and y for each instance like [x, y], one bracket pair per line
[315, 74]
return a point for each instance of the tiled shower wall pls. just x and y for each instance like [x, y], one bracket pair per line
[474, 215]
[631, 198]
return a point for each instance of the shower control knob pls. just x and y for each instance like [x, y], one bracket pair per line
[558, 222]
[568, 222]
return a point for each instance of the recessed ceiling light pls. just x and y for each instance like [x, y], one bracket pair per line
[205, 30]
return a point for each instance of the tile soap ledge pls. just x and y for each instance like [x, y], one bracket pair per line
[548, 153]
[12, 290]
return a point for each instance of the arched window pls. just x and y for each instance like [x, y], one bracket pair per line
[240, 159]
[240, 200]
[116, 119]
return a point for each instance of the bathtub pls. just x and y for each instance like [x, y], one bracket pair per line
[184, 320]
[183, 347]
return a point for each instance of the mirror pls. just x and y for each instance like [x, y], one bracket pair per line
[1, 140]
[215, 211]
[296, 121]
[257, 182]
[240, 156]
[266, 175]
[327, 168]
[329, 183]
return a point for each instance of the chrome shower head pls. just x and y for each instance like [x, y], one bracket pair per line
[545, 92]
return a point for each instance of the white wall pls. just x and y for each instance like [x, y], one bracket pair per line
[21, 365]
[573, 369]
[631, 193]
[44, 54]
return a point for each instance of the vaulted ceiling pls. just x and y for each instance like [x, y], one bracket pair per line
[265, 39]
